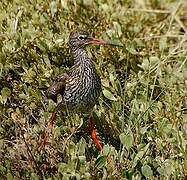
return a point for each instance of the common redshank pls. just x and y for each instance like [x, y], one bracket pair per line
[80, 87]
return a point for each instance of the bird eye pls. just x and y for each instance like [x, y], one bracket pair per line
[82, 37]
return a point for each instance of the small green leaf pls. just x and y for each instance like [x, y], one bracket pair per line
[117, 27]
[5, 93]
[112, 79]
[82, 146]
[168, 167]
[34, 176]
[82, 160]
[100, 162]
[105, 83]
[64, 4]
[43, 45]
[131, 49]
[109, 95]
[162, 171]
[53, 7]
[122, 138]
[147, 171]
[165, 169]
[62, 167]
[87, 2]
[145, 64]
[140, 154]
[10, 176]
[127, 140]
[154, 60]
[106, 149]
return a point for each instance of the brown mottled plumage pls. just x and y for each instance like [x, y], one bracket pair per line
[80, 87]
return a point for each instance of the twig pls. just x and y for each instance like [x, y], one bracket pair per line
[177, 19]
[151, 11]
[159, 36]
[30, 153]
[173, 15]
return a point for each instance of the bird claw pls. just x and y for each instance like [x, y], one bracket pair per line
[95, 138]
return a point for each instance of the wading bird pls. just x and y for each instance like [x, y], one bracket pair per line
[80, 87]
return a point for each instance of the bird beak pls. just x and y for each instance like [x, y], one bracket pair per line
[102, 42]
[97, 41]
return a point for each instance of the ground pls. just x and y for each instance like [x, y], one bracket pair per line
[142, 112]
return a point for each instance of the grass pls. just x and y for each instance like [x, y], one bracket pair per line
[142, 112]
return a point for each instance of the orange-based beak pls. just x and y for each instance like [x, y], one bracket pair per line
[97, 41]
[102, 42]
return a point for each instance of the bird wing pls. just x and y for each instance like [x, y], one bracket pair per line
[61, 81]
[57, 87]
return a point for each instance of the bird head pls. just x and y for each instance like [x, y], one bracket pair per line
[80, 39]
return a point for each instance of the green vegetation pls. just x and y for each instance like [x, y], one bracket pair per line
[142, 113]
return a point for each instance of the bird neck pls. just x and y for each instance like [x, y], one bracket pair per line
[80, 55]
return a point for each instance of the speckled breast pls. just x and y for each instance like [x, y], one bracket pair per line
[82, 89]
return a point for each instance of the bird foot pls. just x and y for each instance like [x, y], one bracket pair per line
[94, 136]
[96, 140]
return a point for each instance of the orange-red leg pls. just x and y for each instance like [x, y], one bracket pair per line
[92, 128]
[94, 136]
[52, 120]
[45, 137]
